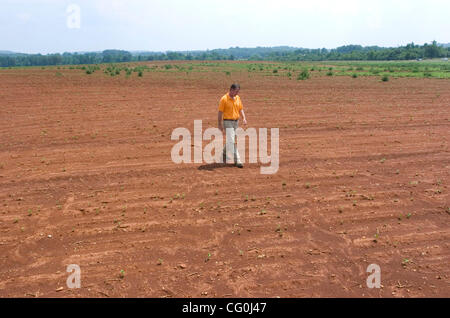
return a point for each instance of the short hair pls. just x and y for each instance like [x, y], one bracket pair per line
[235, 86]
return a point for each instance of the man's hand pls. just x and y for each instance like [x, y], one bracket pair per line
[220, 120]
[244, 120]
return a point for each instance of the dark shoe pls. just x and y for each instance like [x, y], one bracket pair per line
[239, 165]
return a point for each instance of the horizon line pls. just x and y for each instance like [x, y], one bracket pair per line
[232, 47]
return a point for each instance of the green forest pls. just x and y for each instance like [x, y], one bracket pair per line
[280, 53]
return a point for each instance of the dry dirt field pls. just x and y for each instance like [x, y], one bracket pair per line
[86, 178]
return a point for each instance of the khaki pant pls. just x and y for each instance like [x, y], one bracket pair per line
[230, 129]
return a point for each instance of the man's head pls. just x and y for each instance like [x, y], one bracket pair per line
[234, 90]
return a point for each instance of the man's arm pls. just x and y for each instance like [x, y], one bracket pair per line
[244, 120]
[220, 120]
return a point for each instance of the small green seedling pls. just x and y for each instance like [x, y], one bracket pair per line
[405, 262]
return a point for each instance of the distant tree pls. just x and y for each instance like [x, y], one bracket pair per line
[432, 51]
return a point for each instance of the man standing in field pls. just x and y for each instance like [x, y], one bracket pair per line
[230, 109]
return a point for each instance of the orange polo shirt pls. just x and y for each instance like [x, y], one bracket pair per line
[229, 107]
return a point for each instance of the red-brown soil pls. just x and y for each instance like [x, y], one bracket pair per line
[85, 159]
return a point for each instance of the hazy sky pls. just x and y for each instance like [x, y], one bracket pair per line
[47, 26]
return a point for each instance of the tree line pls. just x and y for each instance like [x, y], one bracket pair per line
[280, 53]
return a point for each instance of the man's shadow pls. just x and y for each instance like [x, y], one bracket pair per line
[213, 166]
